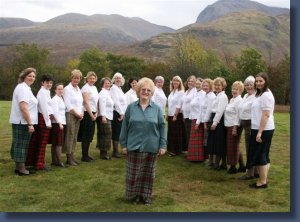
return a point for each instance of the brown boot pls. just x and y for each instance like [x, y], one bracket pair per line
[70, 160]
[116, 149]
[72, 156]
[58, 155]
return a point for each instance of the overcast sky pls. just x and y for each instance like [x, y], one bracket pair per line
[172, 13]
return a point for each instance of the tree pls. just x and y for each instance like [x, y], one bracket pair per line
[250, 62]
[280, 81]
[94, 60]
[191, 58]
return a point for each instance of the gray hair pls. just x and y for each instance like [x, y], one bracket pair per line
[116, 75]
[157, 78]
[249, 79]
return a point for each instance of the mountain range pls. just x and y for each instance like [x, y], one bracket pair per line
[225, 26]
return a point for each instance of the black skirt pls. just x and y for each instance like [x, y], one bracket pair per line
[116, 126]
[86, 129]
[216, 140]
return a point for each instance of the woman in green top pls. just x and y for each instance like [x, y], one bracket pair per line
[143, 138]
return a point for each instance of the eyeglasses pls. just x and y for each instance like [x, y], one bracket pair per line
[146, 90]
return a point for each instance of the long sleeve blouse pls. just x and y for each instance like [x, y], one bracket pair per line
[219, 106]
[119, 98]
[174, 101]
[45, 104]
[195, 106]
[231, 117]
[186, 102]
[59, 110]
[105, 104]
[73, 98]
[206, 108]
[159, 97]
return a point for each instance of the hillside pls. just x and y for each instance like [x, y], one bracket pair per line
[227, 35]
[14, 23]
[68, 35]
[223, 7]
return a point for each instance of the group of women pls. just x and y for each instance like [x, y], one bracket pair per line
[201, 122]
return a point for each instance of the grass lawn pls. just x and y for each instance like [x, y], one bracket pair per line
[180, 186]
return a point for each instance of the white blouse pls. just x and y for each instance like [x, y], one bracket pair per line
[45, 104]
[159, 97]
[245, 107]
[105, 104]
[93, 96]
[218, 106]
[119, 98]
[73, 98]
[186, 102]
[264, 102]
[131, 96]
[23, 93]
[59, 110]
[174, 101]
[196, 104]
[231, 115]
[206, 108]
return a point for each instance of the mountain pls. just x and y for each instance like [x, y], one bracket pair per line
[14, 23]
[69, 34]
[226, 35]
[223, 7]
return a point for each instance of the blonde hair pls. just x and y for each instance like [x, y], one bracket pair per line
[117, 74]
[222, 81]
[142, 82]
[90, 73]
[76, 72]
[181, 86]
[192, 77]
[210, 83]
[239, 85]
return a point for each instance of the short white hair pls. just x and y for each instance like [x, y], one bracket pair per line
[249, 79]
[117, 74]
[157, 78]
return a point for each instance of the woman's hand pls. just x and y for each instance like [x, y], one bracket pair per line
[213, 126]
[104, 121]
[161, 152]
[124, 151]
[30, 128]
[258, 137]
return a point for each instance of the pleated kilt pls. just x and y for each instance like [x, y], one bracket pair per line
[37, 145]
[195, 148]
[175, 134]
[233, 145]
[71, 132]
[103, 134]
[116, 126]
[258, 154]
[140, 173]
[86, 129]
[216, 140]
[20, 141]
[56, 137]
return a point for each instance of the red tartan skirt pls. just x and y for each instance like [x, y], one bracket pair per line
[176, 142]
[195, 148]
[56, 137]
[233, 145]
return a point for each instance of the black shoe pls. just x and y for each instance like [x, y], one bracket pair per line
[61, 164]
[105, 158]
[147, 201]
[171, 154]
[256, 175]
[232, 170]
[255, 186]
[85, 159]
[116, 156]
[21, 174]
[92, 159]
[242, 169]
[222, 167]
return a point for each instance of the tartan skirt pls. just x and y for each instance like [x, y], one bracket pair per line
[56, 137]
[71, 132]
[20, 141]
[86, 129]
[195, 148]
[246, 125]
[37, 145]
[233, 145]
[216, 139]
[176, 137]
[103, 134]
[258, 154]
[116, 126]
[140, 173]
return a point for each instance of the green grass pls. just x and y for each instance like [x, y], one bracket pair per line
[180, 186]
